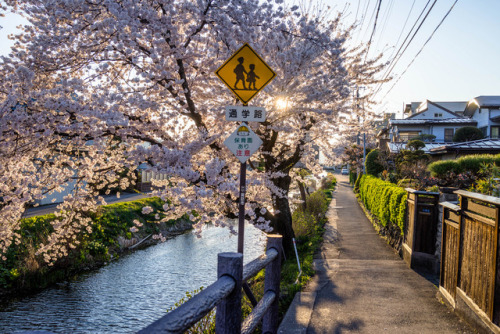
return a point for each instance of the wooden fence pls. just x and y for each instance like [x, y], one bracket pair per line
[469, 261]
[225, 293]
[420, 231]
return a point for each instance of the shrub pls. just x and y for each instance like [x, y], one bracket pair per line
[442, 168]
[317, 204]
[385, 200]
[356, 184]
[328, 181]
[415, 145]
[373, 167]
[467, 133]
[352, 177]
[303, 222]
[474, 163]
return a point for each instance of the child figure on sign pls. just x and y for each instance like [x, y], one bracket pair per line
[251, 77]
[240, 72]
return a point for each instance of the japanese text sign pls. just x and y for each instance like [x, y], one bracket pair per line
[245, 114]
[243, 142]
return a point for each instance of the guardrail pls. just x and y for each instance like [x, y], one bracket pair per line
[225, 294]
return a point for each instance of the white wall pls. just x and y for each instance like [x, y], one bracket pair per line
[482, 118]
[431, 111]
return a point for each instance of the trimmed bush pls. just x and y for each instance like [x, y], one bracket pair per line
[467, 133]
[441, 168]
[352, 177]
[467, 164]
[373, 167]
[473, 163]
[385, 200]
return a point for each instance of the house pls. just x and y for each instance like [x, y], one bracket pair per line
[486, 111]
[440, 119]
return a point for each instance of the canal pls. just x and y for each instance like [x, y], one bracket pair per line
[130, 293]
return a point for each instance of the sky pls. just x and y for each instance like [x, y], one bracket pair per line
[460, 61]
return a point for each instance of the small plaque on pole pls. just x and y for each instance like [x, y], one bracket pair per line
[245, 114]
[243, 142]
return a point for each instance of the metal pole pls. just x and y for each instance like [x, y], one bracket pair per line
[364, 153]
[241, 217]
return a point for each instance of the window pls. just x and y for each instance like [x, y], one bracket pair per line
[484, 130]
[404, 136]
[494, 132]
[438, 115]
[448, 134]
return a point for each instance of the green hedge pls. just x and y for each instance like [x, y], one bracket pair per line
[466, 164]
[385, 200]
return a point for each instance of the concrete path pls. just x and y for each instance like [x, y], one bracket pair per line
[363, 286]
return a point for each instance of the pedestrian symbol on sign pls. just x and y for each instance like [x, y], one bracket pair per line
[245, 73]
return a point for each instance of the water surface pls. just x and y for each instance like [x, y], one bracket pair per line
[132, 292]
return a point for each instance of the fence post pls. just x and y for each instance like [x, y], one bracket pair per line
[272, 283]
[228, 314]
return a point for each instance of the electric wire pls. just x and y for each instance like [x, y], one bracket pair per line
[404, 26]
[399, 54]
[374, 28]
[385, 19]
[423, 46]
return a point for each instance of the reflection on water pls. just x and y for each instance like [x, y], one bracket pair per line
[132, 292]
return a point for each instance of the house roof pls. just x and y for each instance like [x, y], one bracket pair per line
[487, 145]
[462, 121]
[424, 106]
[481, 102]
[396, 147]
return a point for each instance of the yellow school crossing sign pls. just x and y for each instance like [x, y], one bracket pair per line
[245, 73]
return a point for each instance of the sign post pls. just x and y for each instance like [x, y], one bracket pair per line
[243, 142]
[245, 74]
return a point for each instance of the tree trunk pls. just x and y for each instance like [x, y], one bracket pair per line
[302, 195]
[282, 220]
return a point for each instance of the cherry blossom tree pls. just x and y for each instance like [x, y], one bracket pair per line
[91, 89]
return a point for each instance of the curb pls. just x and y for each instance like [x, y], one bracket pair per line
[299, 314]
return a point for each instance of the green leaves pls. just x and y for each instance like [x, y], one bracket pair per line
[386, 201]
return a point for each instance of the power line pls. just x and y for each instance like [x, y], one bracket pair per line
[399, 54]
[363, 18]
[386, 16]
[374, 27]
[427, 41]
[404, 25]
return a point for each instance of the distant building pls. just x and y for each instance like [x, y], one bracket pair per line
[486, 111]
[440, 120]
[431, 118]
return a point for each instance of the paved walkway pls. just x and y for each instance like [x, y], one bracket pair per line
[363, 286]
